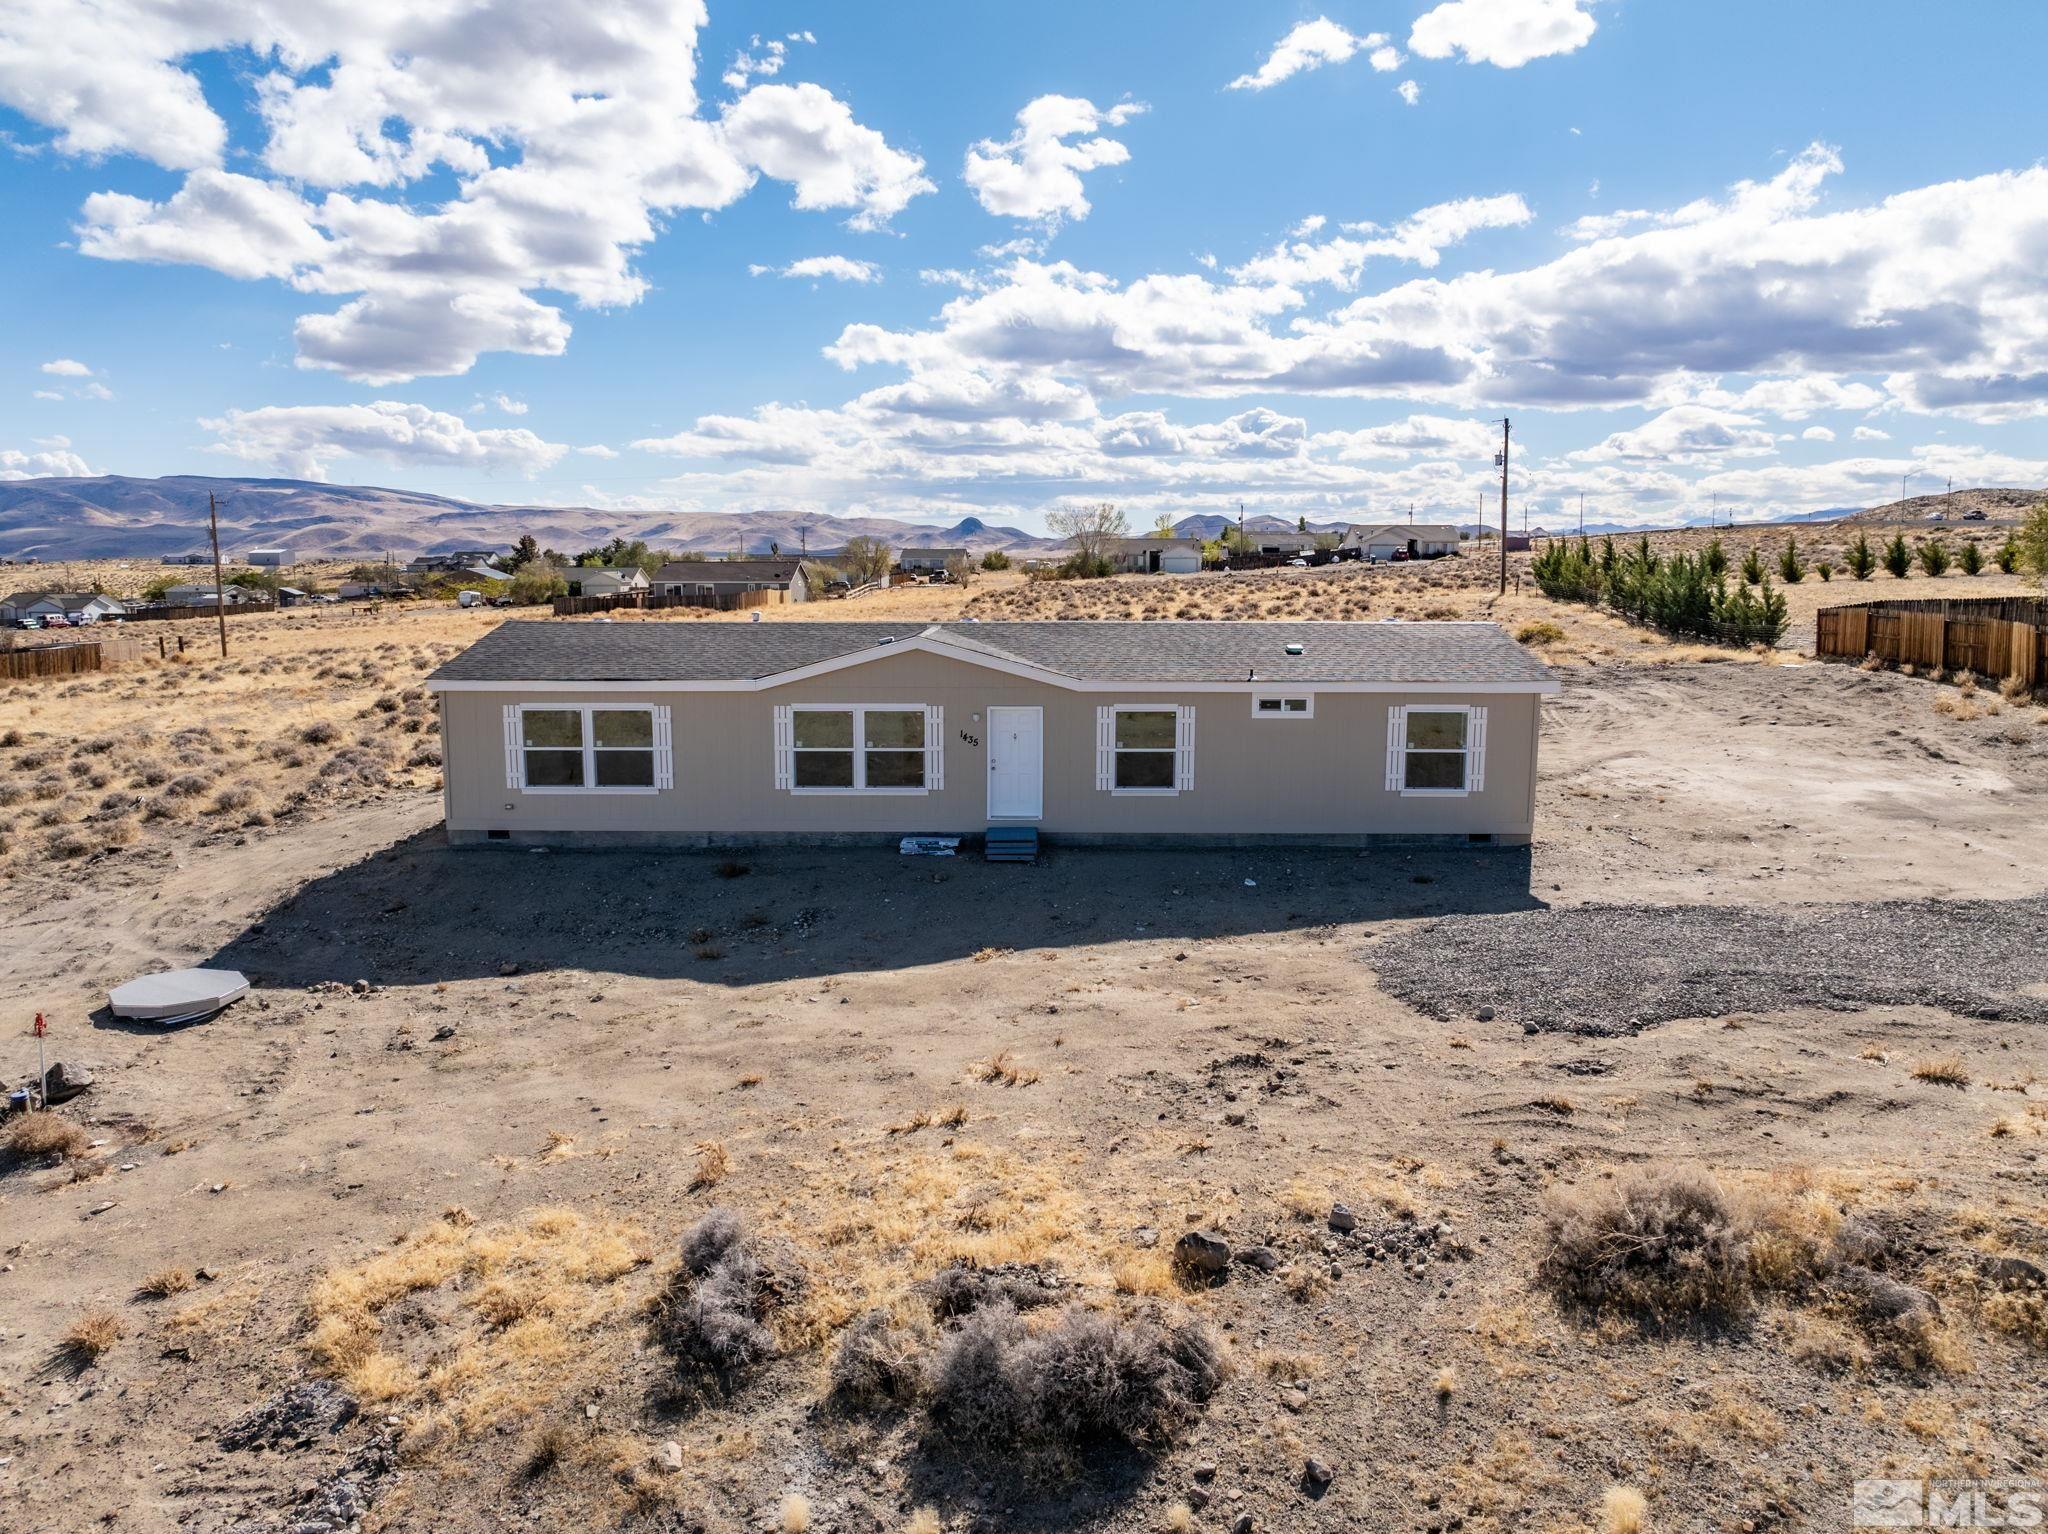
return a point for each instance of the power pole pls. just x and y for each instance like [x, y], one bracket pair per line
[1582, 513]
[220, 601]
[1504, 506]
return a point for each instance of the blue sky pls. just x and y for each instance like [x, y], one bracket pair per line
[937, 260]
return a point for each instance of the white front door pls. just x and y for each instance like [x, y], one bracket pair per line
[1016, 763]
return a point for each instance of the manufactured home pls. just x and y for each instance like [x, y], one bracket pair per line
[604, 580]
[1405, 540]
[1154, 555]
[733, 577]
[717, 733]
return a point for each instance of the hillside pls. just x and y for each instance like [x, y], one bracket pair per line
[115, 516]
[1997, 506]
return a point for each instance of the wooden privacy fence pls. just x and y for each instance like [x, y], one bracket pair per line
[152, 612]
[49, 660]
[728, 601]
[1992, 636]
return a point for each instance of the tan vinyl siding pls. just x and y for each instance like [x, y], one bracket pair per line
[1324, 775]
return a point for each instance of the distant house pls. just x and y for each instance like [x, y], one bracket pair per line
[1153, 555]
[273, 557]
[1275, 543]
[188, 559]
[1414, 540]
[925, 561]
[88, 605]
[729, 577]
[456, 559]
[597, 580]
[203, 596]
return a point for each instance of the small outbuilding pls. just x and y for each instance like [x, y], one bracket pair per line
[700, 734]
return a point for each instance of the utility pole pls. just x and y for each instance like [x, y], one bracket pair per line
[220, 601]
[1504, 506]
[1582, 513]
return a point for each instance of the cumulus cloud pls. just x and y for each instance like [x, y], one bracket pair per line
[568, 135]
[1817, 434]
[1409, 92]
[67, 367]
[1311, 45]
[1685, 434]
[1933, 291]
[55, 460]
[1871, 434]
[303, 440]
[836, 268]
[1036, 172]
[1507, 33]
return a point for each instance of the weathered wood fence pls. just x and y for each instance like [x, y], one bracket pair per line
[152, 612]
[726, 602]
[49, 660]
[1992, 636]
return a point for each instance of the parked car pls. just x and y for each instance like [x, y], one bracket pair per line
[1297, 564]
[28, 623]
[1402, 554]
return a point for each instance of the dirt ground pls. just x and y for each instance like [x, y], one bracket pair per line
[410, 1202]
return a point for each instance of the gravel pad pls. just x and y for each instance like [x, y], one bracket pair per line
[1604, 970]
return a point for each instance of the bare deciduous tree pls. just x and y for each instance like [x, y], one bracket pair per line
[1089, 529]
[866, 559]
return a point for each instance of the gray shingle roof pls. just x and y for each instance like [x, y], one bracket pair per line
[1477, 653]
[712, 572]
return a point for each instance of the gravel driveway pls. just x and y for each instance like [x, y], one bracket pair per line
[1606, 970]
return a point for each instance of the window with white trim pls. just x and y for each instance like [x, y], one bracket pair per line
[1143, 748]
[859, 749]
[1275, 705]
[1436, 749]
[570, 748]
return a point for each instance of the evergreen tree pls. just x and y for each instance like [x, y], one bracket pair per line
[1825, 569]
[1716, 559]
[2008, 556]
[1752, 568]
[1790, 567]
[1861, 560]
[1971, 558]
[1934, 557]
[1897, 558]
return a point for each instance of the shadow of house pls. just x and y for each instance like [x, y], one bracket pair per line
[421, 912]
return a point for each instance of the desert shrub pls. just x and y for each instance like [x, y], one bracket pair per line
[237, 796]
[995, 559]
[42, 1135]
[1859, 559]
[712, 1317]
[12, 738]
[1539, 633]
[1901, 1321]
[188, 785]
[880, 1361]
[1934, 557]
[1791, 568]
[1665, 1248]
[320, 733]
[90, 1336]
[1091, 1377]
[1970, 557]
[12, 793]
[1898, 560]
[961, 1290]
[66, 845]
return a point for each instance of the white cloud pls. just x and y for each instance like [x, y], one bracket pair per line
[508, 404]
[1311, 45]
[765, 61]
[1409, 92]
[568, 135]
[1421, 238]
[67, 367]
[1036, 172]
[47, 394]
[303, 440]
[836, 268]
[1935, 292]
[57, 461]
[1685, 434]
[598, 450]
[1871, 434]
[1817, 434]
[1794, 399]
[1508, 33]
[1386, 59]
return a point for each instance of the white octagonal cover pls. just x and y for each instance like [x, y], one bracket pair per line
[178, 993]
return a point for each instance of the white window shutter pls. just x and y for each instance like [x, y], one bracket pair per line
[1475, 751]
[515, 777]
[785, 746]
[934, 748]
[1184, 748]
[664, 750]
[1397, 730]
[1105, 747]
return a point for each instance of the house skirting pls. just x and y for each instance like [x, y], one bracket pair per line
[706, 840]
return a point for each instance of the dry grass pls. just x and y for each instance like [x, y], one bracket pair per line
[951, 1117]
[88, 1339]
[1003, 1069]
[1179, 1518]
[795, 1517]
[1947, 1071]
[924, 1521]
[712, 1164]
[520, 1293]
[1623, 1510]
[164, 1283]
[43, 1135]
